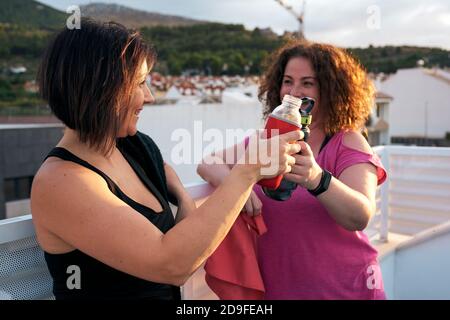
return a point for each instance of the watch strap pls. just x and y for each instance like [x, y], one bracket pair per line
[323, 184]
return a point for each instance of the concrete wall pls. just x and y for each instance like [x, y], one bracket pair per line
[387, 265]
[22, 150]
[417, 269]
[18, 208]
[422, 269]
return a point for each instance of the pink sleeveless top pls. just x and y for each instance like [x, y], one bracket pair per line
[305, 254]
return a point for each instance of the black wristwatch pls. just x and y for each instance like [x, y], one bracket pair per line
[323, 184]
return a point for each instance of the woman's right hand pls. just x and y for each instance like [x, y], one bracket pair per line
[271, 157]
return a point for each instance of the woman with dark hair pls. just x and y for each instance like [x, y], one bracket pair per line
[314, 247]
[100, 200]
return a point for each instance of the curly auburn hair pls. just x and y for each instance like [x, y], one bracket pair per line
[346, 92]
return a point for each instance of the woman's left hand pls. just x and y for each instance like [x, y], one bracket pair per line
[306, 172]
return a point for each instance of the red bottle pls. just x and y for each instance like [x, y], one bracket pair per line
[286, 117]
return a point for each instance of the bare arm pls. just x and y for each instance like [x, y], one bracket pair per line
[216, 167]
[78, 207]
[350, 198]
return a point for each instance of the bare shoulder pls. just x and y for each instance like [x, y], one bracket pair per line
[57, 179]
[53, 193]
[56, 171]
[355, 140]
[75, 205]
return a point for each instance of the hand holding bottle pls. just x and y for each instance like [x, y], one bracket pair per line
[271, 157]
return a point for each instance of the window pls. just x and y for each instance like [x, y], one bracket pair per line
[17, 188]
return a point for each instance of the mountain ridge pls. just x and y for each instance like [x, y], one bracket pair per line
[134, 18]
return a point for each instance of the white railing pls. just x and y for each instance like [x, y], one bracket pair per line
[382, 211]
[416, 195]
[23, 272]
[16, 229]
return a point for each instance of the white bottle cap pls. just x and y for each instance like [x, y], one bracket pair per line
[292, 100]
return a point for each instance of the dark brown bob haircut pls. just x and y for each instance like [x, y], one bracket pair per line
[87, 76]
[346, 92]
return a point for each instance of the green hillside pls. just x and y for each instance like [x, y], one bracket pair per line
[389, 59]
[29, 13]
[208, 48]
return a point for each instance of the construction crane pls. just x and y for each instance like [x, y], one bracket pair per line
[298, 16]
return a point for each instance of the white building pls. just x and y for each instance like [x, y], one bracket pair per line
[421, 102]
[378, 127]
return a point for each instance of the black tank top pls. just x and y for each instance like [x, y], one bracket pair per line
[98, 280]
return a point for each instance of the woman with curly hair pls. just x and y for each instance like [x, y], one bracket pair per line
[314, 247]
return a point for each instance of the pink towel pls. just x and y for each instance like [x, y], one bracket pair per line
[232, 271]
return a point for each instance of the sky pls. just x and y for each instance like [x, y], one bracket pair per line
[350, 23]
